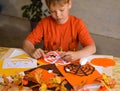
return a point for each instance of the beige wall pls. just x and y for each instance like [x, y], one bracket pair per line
[101, 16]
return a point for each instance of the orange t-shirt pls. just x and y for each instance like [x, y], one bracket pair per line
[64, 37]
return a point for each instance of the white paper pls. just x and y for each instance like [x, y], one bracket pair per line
[12, 62]
[17, 52]
[20, 63]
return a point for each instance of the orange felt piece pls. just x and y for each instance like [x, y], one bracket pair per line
[76, 80]
[44, 76]
[105, 62]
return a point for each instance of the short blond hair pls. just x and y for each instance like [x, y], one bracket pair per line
[50, 3]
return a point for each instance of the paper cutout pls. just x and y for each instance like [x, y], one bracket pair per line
[54, 57]
[80, 70]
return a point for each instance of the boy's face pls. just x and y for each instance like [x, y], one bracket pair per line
[60, 13]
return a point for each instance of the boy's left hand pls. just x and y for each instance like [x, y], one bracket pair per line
[70, 56]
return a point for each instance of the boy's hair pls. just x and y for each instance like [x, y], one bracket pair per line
[50, 3]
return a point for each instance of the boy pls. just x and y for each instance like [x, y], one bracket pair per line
[60, 31]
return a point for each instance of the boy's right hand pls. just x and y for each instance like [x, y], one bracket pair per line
[37, 53]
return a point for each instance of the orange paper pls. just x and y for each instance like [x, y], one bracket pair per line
[105, 62]
[76, 80]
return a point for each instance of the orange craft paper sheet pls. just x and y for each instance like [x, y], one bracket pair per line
[78, 81]
[105, 62]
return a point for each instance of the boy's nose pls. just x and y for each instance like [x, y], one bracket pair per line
[58, 14]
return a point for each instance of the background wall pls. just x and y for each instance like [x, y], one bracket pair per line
[13, 7]
[101, 16]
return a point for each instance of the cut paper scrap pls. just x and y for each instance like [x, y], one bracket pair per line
[79, 81]
[20, 63]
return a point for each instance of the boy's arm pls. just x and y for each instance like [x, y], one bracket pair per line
[75, 55]
[87, 50]
[28, 47]
[31, 50]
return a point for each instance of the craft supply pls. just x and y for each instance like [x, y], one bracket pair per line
[81, 70]
[105, 62]
[83, 61]
[53, 57]
[19, 63]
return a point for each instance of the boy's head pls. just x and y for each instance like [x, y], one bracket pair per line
[50, 3]
[59, 9]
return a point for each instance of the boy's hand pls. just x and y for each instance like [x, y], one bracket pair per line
[69, 56]
[37, 53]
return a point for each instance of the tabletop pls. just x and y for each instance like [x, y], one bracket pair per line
[115, 72]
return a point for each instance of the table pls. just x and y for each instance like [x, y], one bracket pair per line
[116, 68]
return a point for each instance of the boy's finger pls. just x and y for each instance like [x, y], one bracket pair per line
[62, 55]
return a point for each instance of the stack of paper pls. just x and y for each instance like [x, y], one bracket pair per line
[19, 59]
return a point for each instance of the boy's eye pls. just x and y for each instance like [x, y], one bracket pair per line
[62, 10]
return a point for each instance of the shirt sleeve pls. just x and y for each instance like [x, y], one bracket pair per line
[36, 35]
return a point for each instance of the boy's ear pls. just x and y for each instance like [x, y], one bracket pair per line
[70, 4]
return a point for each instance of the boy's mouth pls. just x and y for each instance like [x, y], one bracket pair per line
[60, 20]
